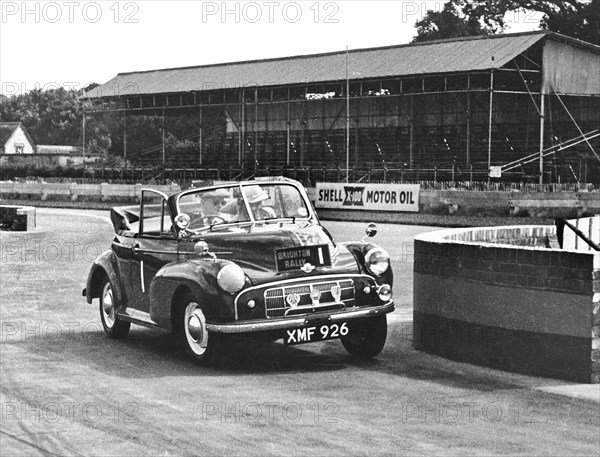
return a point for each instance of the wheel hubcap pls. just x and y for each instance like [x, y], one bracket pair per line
[195, 329]
[108, 308]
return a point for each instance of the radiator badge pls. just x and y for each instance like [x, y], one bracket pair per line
[293, 300]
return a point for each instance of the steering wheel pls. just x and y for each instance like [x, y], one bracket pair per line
[206, 221]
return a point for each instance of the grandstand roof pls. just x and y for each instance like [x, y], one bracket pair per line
[432, 57]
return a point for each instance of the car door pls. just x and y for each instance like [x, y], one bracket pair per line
[154, 247]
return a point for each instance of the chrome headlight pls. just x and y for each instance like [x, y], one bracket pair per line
[231, 278]
[377, 261]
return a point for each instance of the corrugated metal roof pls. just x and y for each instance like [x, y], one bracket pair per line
[445, 56]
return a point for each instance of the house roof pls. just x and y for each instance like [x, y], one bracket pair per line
[431, 57]
[8, 128]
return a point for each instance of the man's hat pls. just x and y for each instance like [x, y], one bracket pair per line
[255, 194]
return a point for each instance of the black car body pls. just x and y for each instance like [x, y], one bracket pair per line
[262, 266]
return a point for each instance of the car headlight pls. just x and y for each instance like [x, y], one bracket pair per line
[231, 278]
[377, 261]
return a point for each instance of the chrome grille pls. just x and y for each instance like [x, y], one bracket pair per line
[277, 306]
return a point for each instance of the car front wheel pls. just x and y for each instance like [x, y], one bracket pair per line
[366, 338]
[201, 346]
[113, 327]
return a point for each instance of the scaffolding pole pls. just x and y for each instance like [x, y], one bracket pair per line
[347, 119]
[490, 123]
[541, 152]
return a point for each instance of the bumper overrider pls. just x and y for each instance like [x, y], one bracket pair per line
[301, 321]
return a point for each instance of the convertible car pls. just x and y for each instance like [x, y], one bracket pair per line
[245, 259]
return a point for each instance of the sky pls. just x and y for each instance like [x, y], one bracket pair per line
[73, 43]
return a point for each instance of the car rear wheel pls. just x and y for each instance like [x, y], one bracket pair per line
[201, 346]
[366, 338]
[113, 327]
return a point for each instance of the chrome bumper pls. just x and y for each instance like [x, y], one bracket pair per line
[303, 321]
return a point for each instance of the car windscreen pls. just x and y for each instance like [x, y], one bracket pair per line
[246, 203]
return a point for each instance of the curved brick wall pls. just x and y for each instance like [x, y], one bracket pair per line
[498, 297]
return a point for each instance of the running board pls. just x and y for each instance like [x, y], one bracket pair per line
[139, 318]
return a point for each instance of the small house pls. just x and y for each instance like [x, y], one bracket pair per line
[14, 139]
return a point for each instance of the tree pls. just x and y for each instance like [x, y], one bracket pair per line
[55, 116]
[573, 18]
[582, 22]
[448, 23]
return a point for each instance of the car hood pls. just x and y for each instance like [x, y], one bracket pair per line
[253, 249]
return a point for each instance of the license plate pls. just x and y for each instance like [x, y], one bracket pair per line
[295, 258]
[315, 333]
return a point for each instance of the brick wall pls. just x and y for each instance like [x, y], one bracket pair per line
[480, 298]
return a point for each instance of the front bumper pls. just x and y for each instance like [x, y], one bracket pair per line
[301, 321]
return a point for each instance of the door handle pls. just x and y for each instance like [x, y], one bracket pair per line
[135, 248]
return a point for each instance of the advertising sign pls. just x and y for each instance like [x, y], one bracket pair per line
[495, 172]
[368, 197]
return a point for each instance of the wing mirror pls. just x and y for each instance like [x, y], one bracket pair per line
[370, 231]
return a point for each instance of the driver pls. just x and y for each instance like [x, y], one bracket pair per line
[210, 205]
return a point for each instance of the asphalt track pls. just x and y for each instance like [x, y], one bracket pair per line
[65, 389]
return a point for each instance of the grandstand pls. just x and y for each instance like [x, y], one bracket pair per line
[449, 108]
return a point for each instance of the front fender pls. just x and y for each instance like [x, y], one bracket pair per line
[199, 277]
[105, 265]
[359, 251]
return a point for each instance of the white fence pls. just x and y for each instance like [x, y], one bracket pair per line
[104, 192]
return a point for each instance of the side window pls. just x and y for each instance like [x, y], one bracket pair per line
[155, 218]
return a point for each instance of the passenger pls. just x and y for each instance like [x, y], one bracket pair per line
[255, 197]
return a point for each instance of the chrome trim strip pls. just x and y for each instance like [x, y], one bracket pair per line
[156, 251]
[282, 324]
